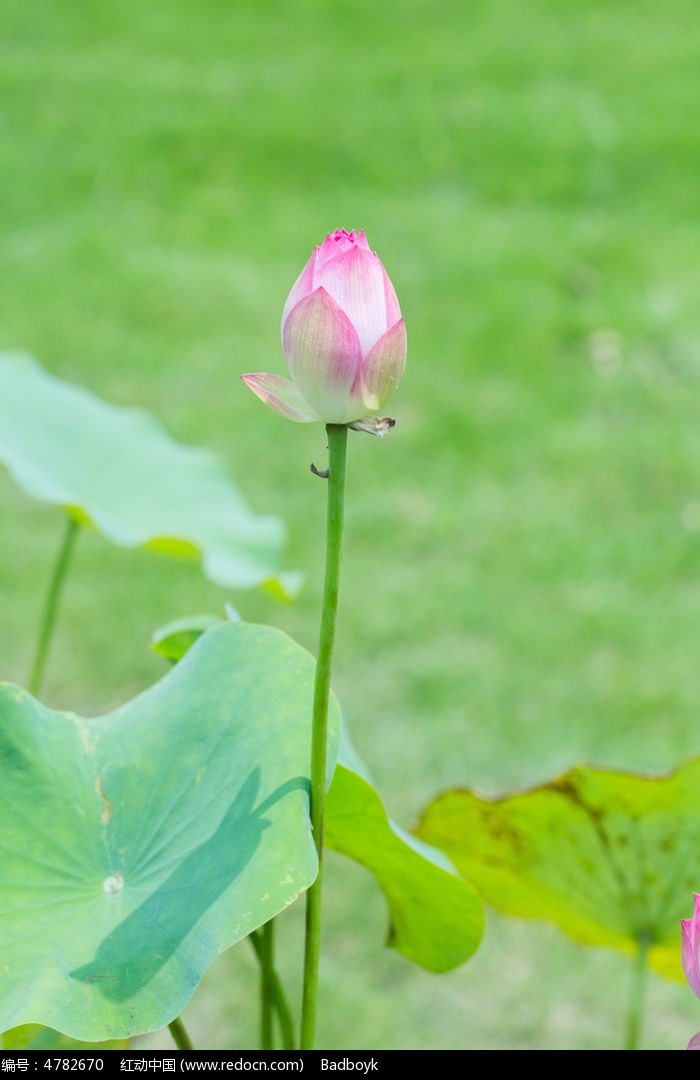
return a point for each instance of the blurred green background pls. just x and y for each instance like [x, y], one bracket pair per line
[522, 565]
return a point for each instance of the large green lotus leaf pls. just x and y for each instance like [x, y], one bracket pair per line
[612, 858]
[117, 470]
[437, 918]
[136, 846]
[36, 1037]
[177, 637]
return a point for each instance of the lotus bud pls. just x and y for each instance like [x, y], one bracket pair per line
[689, 957]
[343, 338]
[689, 949]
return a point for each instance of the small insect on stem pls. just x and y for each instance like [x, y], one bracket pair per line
[323, 473]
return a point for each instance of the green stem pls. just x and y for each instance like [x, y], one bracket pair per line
[337, 446]
[635, 1011]
[179, 1034]
[53, 596]
[284, 1014]
[266, 968]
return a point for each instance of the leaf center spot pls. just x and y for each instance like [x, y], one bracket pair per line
[113, 884]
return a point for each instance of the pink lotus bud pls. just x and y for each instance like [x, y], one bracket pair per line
[689, 958]
[690, 946]
[343, 337]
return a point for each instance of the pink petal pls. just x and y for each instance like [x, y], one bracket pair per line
[281, 395]
[383, 367]
[694, 1043]
[303, 285]
[337, 242]
[355, 280]
[393, 311]
[323, 354]
[689, 947]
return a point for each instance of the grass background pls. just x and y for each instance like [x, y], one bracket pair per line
[522, 572]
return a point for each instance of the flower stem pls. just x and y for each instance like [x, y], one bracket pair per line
[337, 446]
[276, 995]
[53, 596]
[267, 947]
[635, 1011]
[179, 1034]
